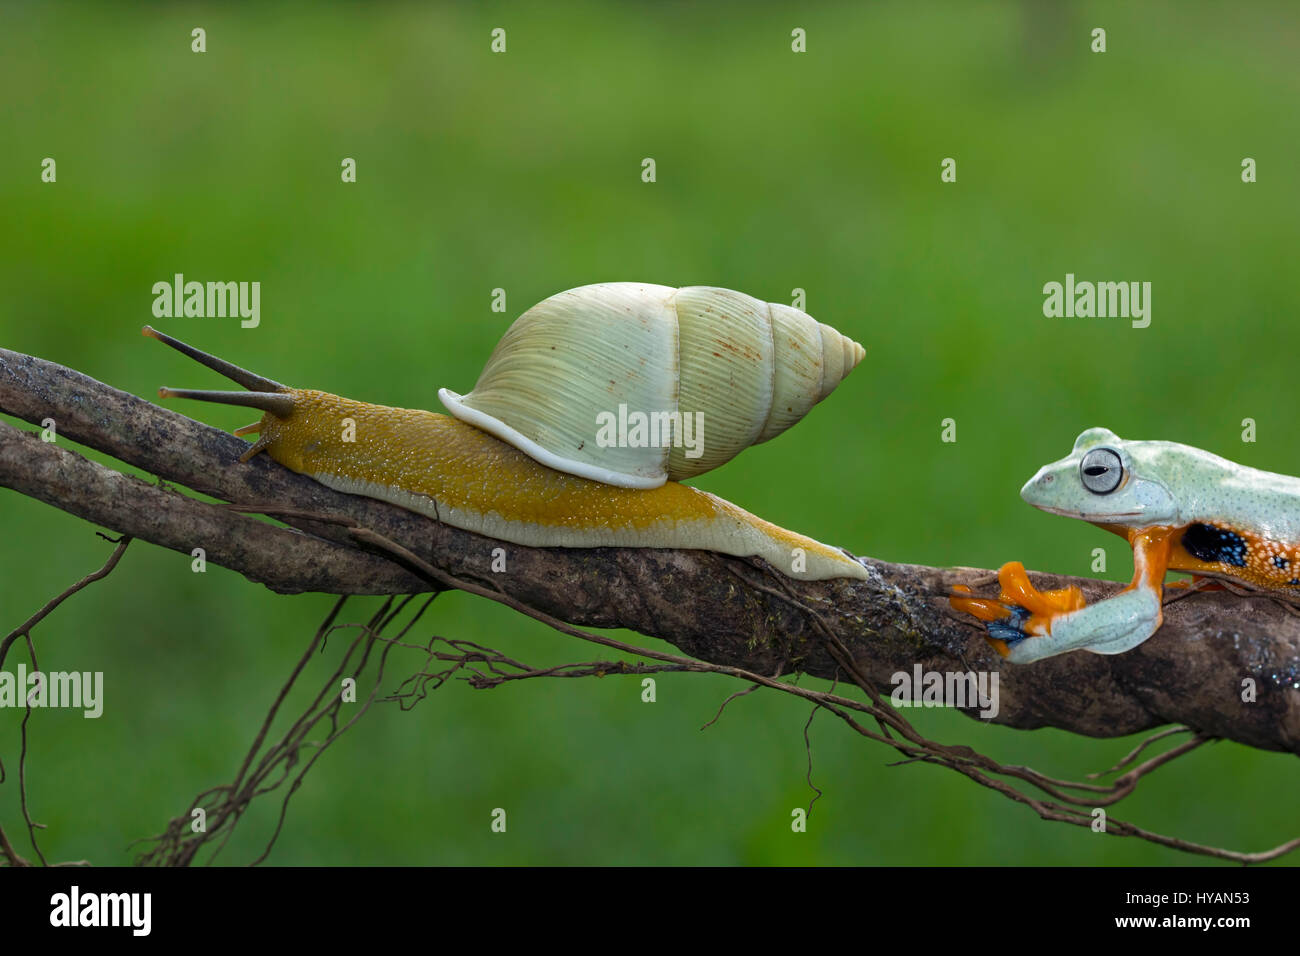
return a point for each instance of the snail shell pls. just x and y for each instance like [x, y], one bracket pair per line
[750, 369]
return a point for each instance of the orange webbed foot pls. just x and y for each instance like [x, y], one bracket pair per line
[1021, 610]
[1017, 590]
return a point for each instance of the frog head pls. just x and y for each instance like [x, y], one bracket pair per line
[1105, 480]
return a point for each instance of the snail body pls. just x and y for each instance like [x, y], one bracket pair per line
[463, 475]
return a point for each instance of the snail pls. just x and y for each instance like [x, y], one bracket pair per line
[593, 405]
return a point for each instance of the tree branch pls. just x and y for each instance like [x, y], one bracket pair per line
[720, 609]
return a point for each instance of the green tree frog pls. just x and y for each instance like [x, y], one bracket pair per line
[1180, 508]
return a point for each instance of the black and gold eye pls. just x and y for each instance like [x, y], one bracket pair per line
[1101, 471]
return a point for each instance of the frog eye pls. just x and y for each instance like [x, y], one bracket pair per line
[1101, 471]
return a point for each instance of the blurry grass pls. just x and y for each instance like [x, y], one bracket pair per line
[522, 171]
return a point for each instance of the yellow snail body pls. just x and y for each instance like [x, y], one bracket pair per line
[454, 471]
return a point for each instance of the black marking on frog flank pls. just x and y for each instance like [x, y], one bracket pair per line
[1214, 545]
[1280, 562]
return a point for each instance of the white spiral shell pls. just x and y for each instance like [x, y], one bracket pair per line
[746, 369]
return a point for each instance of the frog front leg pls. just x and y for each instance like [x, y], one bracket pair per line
[1027, 625]
[1113, 626]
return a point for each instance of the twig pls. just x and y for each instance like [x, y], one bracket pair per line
[25, 628]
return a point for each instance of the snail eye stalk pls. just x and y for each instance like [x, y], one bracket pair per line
[263, 393]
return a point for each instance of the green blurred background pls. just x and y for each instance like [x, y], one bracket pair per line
[521, 170]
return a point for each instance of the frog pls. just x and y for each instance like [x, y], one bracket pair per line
[1179, 507]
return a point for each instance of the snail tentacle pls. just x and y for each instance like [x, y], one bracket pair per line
[240, 376]
[279, 404]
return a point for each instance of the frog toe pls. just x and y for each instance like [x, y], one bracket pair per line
[1017, 589]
